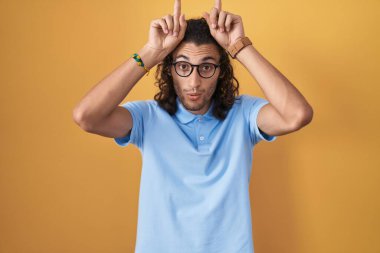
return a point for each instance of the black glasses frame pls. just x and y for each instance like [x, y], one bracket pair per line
[195, 65]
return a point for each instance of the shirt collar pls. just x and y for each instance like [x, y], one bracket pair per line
[186, 116]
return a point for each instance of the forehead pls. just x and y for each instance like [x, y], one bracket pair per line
[196, 53]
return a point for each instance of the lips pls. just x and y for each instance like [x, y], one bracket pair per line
[194, 96]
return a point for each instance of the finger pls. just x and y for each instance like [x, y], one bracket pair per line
[177, 8]
[169, 22]
[156, 23]
[163, 25]
[176, 27]
[228, 22]
[183, 25]
[214, 17]
[206, 16]
[222, 21]
[218, 4]
[176, 15]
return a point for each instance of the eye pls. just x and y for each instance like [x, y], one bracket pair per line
[206, 67]
[183, 66]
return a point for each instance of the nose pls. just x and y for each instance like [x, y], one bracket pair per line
[194, 79]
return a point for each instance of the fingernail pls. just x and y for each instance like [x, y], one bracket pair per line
[213, 25]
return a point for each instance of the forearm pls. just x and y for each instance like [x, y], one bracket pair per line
[105, 96]
[280, 92]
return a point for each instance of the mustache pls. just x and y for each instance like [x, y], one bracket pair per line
[193, 91]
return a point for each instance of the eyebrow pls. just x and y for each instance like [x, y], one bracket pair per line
[203, 59]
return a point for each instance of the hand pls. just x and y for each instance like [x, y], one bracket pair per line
[167, 32]
[228, 27]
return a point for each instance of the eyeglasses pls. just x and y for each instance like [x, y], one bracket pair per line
[205, 70]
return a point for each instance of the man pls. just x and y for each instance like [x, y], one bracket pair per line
[196, 137]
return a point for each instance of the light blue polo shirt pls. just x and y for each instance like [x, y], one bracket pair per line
[194, 188]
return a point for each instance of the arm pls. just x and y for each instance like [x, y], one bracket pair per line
[100, 104]
[287, 110]
[99, 111]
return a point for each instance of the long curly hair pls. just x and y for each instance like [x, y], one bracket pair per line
[227, 88]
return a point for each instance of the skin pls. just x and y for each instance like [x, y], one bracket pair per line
[205, 86]
[287, 111]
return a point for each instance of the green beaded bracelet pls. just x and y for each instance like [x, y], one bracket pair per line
[140, 62]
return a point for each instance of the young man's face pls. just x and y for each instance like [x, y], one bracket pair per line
[194, 83]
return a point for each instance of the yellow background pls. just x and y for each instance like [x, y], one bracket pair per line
[66, 190]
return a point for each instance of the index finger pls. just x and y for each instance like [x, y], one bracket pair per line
[218, 4]
[177, 8]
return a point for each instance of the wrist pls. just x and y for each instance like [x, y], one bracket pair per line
[239, 44]
[151, 56]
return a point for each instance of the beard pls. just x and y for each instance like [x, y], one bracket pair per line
[193, 105]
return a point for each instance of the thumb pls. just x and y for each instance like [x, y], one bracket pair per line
[182, 24]
[206, 16]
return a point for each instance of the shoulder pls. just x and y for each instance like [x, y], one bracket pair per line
[246, 100]
[141, 107]
[249, 105]
[140, 103]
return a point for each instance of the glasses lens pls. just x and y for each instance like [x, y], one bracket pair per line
[183, 68]
[206, 69]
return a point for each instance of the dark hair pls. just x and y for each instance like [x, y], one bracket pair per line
[198, 32]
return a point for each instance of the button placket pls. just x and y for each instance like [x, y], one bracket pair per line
[201, 137]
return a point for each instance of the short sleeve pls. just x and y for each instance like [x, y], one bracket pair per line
[252, 106]
[140, 114]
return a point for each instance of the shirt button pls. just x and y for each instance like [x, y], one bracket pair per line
[202, 138]
[200, 119]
